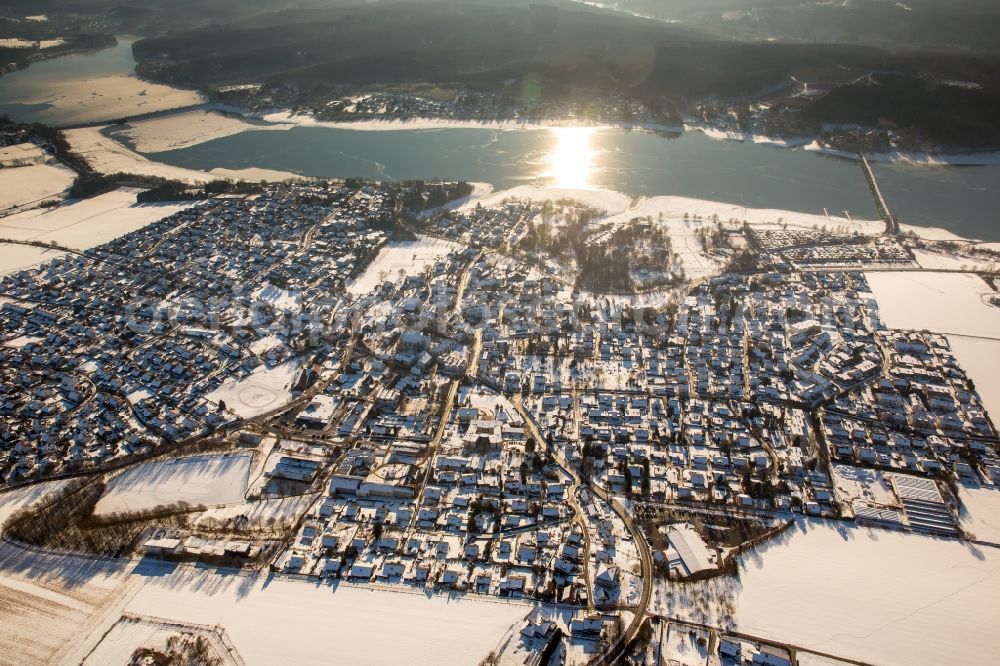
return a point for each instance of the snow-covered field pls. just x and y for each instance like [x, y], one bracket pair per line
[87, 223]
[97, 98]
[808, 659]
[879, 596]
[479, 190]
[857, 483]
[16, 43]
[47, 601]
[981, 360]
[184, 130]
[57, 609]
[209, 480]
[931, 233]
[678, 215]
[21, 186]
[260, 512]
[22, 153]
[408, 256]
[105, 155]
[281, 299]
[925, 159]
[611, 202]
[280, 621]
[938, 302]
[14, 257]
[673, 209]
[980, 511]
[262, 390]
[130, 634]
[18, 498]
[952, 262]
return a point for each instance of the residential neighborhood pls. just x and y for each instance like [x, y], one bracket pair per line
[439, 411]
[499, 333]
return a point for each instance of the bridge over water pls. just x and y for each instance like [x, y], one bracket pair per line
[891, 224]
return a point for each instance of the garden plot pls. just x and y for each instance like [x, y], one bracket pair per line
[282, 621]
[280, 299]
[208, 480]
[937, 302]
[132, 633]
[411, 257]
[860, 484]
[489, 403]
[681, 645]
[878, 596]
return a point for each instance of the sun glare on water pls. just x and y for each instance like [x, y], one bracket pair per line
[571, 160]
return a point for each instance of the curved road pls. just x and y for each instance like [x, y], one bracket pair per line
[617, 648]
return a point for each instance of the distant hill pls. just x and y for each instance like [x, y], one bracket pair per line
[464, 43]
[962, 25]
[692, 50]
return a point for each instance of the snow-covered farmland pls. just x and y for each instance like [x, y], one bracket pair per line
[809, 659]
[980, 513]
[281, 621]
[87, 223]
[22, 153]
[16, 43]
[410, 257]
[879, 596]
[47, 601]
[30, 185]
[937, 302]
[209, 480]
[19, 498]
[981, 360]
[15, 257]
